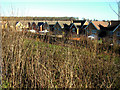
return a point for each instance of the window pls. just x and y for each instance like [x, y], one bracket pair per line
[111, 32]
[118, 33]
[88, 31]
[55, 28]
[93, 31]
[73, 29]
[59, 29]
[118, 41]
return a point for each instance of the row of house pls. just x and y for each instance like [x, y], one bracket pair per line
[109, 30]
[55, 27]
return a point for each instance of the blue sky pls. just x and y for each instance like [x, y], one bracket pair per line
[89, 9]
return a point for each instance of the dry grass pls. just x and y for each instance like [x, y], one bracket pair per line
[32, 63]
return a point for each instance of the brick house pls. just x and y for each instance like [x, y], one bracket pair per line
[57, 29]
[116, 35]
[73, 30]
[34, 26]
[40, 26]
[46, 26]
[111, 32]
[79, 24]
[94, 27]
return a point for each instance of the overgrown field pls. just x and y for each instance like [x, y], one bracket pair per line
[30, 63]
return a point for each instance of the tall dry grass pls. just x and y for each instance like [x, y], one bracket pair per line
[32, 63]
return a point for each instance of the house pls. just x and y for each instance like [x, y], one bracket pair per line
[57, 29]
[40, 26]
[84, 25]
[79, 24]
[73, 29]
[114, 23]
[34, 26]
[94, 27]
[5, 25]
[28, 26]
[64, 26]
[115, 30]
[66, 29]
[46, 26]
[51, 25]
[116, 35]
[19, 26]
[109, 32]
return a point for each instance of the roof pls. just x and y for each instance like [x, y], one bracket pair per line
[77, 24]
[79, 21]
[97, 23]
[40, 23]
[116, 28]
[33, 23]
[72, 25]
[115, 22]
[51, 22]
[61, 23]
[64, 22]
[19, 24]
[58, 24]
[87, 22]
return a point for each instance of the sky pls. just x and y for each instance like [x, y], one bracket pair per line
[88, 9]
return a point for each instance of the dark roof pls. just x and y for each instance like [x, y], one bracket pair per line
[66, 25]
[51, 25]
[115, 23]
[109, 28]
[16, 23]
[79, 21]
[33, 23]
[40, 23]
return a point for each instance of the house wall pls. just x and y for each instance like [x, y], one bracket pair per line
[73, 30]
[46, 27]
[34, 26]
[91, 28]
[57, 30]
[116, 37]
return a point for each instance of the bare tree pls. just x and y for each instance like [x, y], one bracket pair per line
[117, 13]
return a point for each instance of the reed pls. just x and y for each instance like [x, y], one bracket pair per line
[30, 62]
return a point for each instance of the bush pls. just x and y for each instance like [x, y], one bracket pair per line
[29, 63]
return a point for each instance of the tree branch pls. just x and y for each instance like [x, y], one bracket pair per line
[114, 11]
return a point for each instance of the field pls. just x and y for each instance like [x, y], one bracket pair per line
[32, 63]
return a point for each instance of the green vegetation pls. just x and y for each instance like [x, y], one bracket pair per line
[32, 63]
